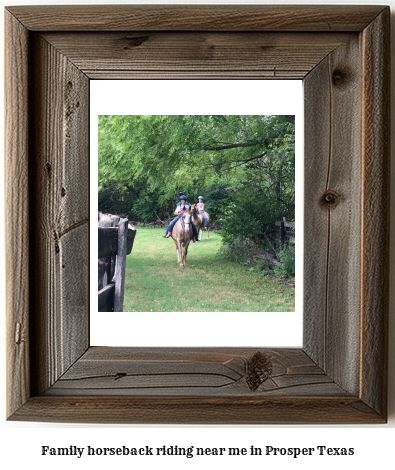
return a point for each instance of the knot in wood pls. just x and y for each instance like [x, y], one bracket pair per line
[330, 199]
[120, 375]
[135, 41]
[339, 77]
[259, 369]
[18, 334]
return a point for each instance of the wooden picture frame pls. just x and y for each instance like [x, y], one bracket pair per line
[340, 373]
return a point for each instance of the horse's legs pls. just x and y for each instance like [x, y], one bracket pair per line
[200, 233]
[178, 251]
[207, 231]
[185, 253]
[180, 255]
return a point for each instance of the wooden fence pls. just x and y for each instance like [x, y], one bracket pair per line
[116, 237]
[286, 232]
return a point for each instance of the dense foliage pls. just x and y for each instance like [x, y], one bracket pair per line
[244, 166]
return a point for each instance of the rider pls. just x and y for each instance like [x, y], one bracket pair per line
[200, 206]
[183, 204]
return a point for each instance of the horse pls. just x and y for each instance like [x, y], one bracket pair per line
[199, 220]
[182, 234]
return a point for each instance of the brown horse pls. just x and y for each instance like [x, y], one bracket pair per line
[199, 220]
[182, 234]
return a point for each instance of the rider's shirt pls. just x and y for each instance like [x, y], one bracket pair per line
[200, 206]
[180, 208]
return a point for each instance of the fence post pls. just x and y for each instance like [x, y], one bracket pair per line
[120, 265]
[104, 264]
[283, 233]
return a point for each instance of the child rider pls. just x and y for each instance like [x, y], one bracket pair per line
[200, 206]
[183, 204]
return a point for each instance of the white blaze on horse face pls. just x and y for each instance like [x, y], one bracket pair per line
[187, 221]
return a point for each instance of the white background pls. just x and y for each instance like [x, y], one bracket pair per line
[20, 442]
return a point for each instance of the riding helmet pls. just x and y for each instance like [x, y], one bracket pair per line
[200, 197]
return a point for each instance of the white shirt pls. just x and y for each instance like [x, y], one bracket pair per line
[181, 208]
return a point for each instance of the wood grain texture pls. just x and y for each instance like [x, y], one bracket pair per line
[184, 385]
[340, 374]
[196, 17]
[344, 254]
[191, 372]
[108, 241]
[60, 193]
[196, 55]
[17, 213]
[333, 173]
[106, 298]
[317, 114]
[375, 211]
[198, 410]
[120, 265]
[74, 294]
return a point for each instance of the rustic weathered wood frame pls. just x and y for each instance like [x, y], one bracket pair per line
[342, 54]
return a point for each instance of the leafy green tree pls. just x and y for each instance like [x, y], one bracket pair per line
[243, 165]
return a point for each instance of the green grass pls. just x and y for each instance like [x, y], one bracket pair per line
[209, 283]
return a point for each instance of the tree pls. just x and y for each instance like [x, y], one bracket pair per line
[250, 160]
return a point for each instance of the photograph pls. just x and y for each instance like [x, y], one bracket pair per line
[210, 203]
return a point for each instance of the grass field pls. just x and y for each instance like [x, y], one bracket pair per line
[210, 282]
